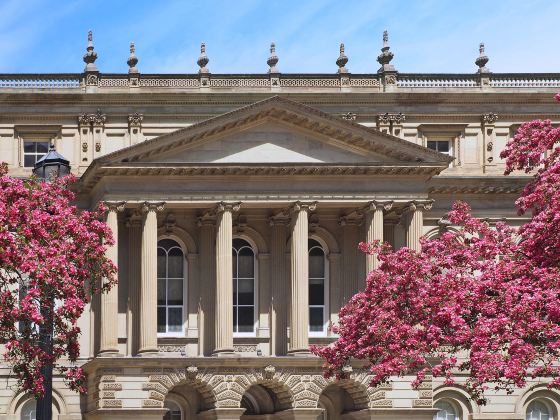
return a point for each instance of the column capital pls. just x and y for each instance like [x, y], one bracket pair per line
[377, 205]
[148, 206]
[116, 206]
[418, 205]
[224, 206]
[303, 205]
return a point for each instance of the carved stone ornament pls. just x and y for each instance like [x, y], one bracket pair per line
[191, 372]
[98, 147]
[224, 206]
[96, 119]
[268, 372]
[116, 206]
[92, 80]
[390, 118]
[170, 223]
[135, 120]
[349, 116]
[489, 118]
[391, 79]
[299, 205]
[84, 147]
[489, 146]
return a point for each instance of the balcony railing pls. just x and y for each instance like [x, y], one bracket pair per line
[285, 82]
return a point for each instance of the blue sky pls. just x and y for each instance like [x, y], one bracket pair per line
[425, 35]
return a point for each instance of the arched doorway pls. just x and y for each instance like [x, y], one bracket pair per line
[184, 402]
[335, 401]
[259, 400]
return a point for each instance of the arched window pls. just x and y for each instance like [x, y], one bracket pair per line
[317, 288]
[29, 410]
[538, 411]
[173, 411]
[243, 286]
[170, 265]
[446, 411]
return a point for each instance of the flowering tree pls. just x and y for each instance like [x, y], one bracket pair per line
[480, 300]
[52, 257]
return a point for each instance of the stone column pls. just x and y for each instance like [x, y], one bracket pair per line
[207, 277]
[148, 287]
[109, 345]
[374, 228]
[134, 224]
[299, 306]
[224, 280]
[279, 283]
[414, 214]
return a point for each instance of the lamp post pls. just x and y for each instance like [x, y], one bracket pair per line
[48, 168]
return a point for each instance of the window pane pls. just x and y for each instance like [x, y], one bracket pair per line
[175, 263]
[29, 147]
[316, 292]
[316, 263]
[175, 321]
[235, 319]
[432, 145]
[443, 146]
[160, 263]
[246, 263]
[245, 292]
[316, 319]
[161, 292]
[161, 320]
[235, 291]
[246, 320]
[42, 147]
[175, 291]
[29, 161]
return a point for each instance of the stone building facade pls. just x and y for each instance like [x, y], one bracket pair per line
[238, 201]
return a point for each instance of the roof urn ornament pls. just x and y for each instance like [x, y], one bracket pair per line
[341, 61]
[132, 59]
[386, 55]
[482, 60]
[273, 59]
[90, 56]
[203, 60]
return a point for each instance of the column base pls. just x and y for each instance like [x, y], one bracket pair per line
[224, 353]
[148, 352]
[109, 353]
[300, 353]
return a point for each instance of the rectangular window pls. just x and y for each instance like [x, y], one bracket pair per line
[33, 151]
[442, 146]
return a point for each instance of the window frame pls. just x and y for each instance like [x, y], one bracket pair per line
[184, 308]
[254, 248]
[456, 408]
[37, 156]
[545, 404]
[326, 295]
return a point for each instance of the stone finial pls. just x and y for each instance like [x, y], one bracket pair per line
[273, 59]
[386, 55]
[203, 60]
[90, 56]
[482, 60]
[341, 61]
[132, 59]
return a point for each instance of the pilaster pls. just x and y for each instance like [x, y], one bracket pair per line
[206, 224]
[350, 226]
[134, 225]
[488, 121]
[148, 290]
[109, 301]
[278, 279]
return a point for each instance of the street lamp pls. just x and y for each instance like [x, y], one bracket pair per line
[49, 167]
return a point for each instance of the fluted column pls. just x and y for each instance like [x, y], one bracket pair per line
[299, 305]
[374, 228]
[415, 222]
[224, 279]
[148, 287]
[279, 283]
[134, 224]
[109, 345]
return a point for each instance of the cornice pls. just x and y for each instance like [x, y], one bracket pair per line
[477, 184]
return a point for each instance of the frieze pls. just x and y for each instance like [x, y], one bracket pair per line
[154, 386]
[381, 403]
[425, 393]
[154, 395]
[108, 394]
[422, 403]
[115, 386]
[110, 404]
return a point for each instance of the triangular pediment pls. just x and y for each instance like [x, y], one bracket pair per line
[276, 132]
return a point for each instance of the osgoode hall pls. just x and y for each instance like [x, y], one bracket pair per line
[238, 201]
